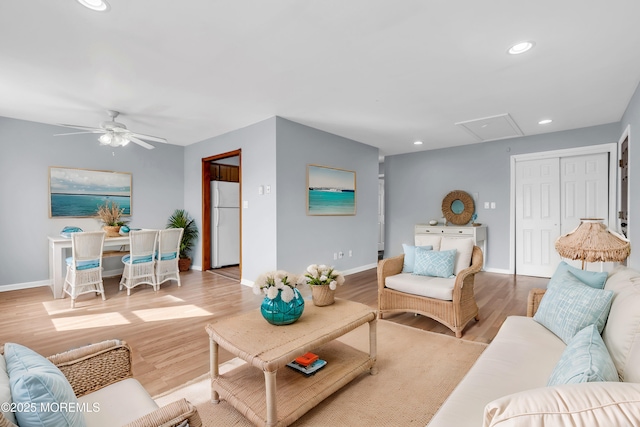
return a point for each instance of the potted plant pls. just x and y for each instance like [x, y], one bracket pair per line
[323, 281]
[181, 219]
[110, 213]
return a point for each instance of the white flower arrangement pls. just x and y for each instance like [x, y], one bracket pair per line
[318, 275]
[272, 282]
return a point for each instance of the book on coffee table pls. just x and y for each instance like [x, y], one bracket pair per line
[308, 370]
[306, 359]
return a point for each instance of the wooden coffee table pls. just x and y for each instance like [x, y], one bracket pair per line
[255, 392]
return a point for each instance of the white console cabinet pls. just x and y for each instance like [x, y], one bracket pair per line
[479, 233]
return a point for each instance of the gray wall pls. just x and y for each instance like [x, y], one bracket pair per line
[258, 167]
[29, 149]
[303, 239]
[631, 118]
[416, 183]
[276, 232]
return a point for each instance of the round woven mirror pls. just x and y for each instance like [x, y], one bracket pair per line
[458, 207]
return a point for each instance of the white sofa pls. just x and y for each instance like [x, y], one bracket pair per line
[507, 386]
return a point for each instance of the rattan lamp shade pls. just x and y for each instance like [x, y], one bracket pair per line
[593, 242]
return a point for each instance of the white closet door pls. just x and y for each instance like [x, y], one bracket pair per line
[537, 216]
[552, 195]
[584, 192]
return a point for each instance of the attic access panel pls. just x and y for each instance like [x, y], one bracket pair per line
[492, 128]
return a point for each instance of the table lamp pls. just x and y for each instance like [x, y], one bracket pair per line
[592, 241]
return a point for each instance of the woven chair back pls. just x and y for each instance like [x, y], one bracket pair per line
[169, 240]
[87, 245]
[142, 243]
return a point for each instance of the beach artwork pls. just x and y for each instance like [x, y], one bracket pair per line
[79, 192]
[330, 191]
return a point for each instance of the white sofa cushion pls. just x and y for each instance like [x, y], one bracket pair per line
[621, 334]
[521, 356]
[585, 404]
[117, 404]
[5, 391]
[426, 286]
[464, 250]
[426, 240]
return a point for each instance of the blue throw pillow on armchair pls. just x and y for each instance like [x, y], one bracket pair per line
[434, 263]
[410, 256]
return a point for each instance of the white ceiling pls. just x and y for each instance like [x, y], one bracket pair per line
[381, 72]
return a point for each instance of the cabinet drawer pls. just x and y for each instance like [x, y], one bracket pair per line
[459, 232]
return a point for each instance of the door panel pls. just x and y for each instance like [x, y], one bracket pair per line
[537, 216]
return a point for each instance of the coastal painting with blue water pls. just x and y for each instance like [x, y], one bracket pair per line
[331, 191]
[79, 192]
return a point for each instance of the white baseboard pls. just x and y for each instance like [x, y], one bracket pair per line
[246, 282]
[26, 285]
[498, 270]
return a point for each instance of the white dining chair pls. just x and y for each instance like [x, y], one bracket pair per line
[138, 264]
[167, 255]
[84, 266]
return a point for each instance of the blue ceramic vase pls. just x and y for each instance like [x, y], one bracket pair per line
[278, 312]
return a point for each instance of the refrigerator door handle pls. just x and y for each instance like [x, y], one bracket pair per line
[217, 217]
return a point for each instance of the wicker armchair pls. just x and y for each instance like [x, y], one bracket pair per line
[453, 314]
[93, 367]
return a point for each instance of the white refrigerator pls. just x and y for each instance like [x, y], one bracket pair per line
[225, 223]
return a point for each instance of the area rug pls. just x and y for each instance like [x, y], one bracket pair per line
[417, 370]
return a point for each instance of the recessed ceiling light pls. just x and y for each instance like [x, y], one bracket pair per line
[417, 143]
[545, 122]
[97, 5]
[521, 47]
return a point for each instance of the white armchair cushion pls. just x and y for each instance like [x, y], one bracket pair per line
[117, 404]
[426, 286]
[426, 240]
[464, 250]
[584, 404]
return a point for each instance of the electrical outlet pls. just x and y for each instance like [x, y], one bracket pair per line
[340, 255]
[335, 255]
[350, 253]
[267, 189]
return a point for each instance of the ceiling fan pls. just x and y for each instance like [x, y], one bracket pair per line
[115, 134]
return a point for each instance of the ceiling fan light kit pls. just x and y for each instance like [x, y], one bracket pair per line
[115, 134]
[97, 5]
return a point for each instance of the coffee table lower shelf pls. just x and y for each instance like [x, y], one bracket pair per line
[244, 387]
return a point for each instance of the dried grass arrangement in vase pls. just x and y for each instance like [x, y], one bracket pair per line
[110, 214]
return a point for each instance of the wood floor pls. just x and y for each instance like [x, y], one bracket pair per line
[166, 328]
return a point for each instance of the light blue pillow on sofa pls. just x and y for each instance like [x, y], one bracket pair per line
[570, 306]
[595, 279]
[434, 263]
[39, 385]
[410, 256]
[586, 359]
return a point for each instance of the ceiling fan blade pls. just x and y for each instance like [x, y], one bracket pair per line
[82, 127]
[140, 142]
[79, 133]
[149, 137]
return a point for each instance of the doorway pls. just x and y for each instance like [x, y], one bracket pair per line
[221, 213]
